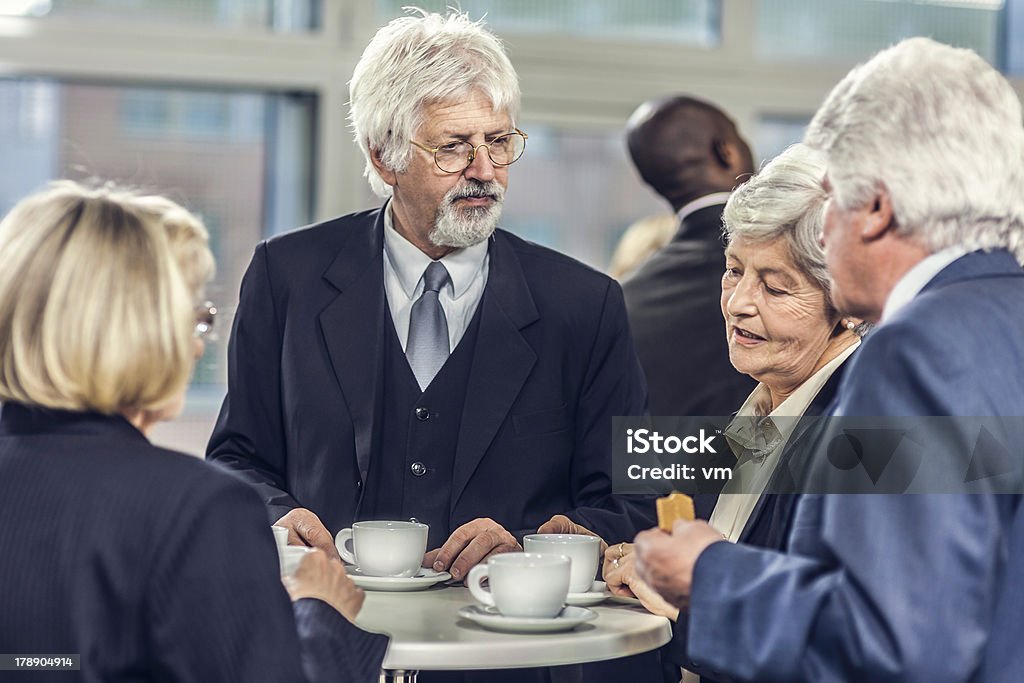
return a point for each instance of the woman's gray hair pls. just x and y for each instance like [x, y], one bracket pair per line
[416, 61]
[786, 200]
[940, 130]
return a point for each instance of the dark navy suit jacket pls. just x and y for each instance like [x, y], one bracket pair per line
[890, 587]
[553, 363]
[675, 311]
[150, 564]
[770, 520]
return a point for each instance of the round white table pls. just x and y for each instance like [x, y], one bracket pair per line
[427, 634]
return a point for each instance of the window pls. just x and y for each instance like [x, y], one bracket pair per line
[847, 31]
[29, 137]
[774, 133]
[1014, 37]
[242, 160]
[278, 15]
[576, 191]
[191, 115]
[693, 22]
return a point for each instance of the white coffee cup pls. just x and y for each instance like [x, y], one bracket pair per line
[290, 557]
[280, 536]
[583, 550]
[522, 584]
[384, 548]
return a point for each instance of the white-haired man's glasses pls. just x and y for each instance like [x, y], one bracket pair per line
[456, 156]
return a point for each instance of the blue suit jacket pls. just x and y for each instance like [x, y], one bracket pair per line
[554, 362]
[889, 587]
[150, 564]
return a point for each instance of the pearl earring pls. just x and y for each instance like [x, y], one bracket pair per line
[850, 324]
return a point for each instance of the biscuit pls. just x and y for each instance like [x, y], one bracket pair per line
[672, 507]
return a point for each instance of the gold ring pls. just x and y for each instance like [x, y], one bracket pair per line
[621, 554]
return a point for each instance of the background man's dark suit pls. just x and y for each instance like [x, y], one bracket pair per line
[686, 150]
[676, 317]
[553, 363]
[150, 564]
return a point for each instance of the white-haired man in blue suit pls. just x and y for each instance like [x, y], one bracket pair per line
[923, 234]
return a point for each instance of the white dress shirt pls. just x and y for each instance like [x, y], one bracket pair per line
[713, 199]
[404, 264]
[753, 474]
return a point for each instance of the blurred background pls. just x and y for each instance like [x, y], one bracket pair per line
[236, 108]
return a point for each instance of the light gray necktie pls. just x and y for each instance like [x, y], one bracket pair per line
[427, 348]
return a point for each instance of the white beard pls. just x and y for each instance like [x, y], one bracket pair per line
[455, 227]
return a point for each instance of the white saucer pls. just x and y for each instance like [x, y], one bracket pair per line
[425, 578]
[490, 618]
[598, 593]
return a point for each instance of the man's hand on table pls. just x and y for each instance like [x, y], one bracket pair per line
[470, 544]
[560, 524]
[665, 562]
[619, 573]
[305, 528]
[324, 578]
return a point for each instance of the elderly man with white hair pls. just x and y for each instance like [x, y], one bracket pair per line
[923, 232]
[413, 361]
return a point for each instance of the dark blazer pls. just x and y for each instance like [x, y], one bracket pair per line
[675, 312]
[771, 519]
[890, 587]
[150, 564]
[553, 363]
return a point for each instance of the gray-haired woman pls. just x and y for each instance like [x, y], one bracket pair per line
[782, 330]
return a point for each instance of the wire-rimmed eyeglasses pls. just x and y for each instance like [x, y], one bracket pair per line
[206, 314]
[457, 155]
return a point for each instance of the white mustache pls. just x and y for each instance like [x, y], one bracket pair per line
[479, 190]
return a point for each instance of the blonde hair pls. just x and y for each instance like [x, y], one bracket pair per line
[97, 298]
[639, 242]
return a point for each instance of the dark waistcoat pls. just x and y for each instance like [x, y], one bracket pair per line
[410, 475]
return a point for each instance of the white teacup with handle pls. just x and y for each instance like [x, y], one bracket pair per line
[583, 551]
[384, 548]
[522, 584]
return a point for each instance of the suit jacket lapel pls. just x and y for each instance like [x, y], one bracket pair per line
[818, 407]
[355, 349]
[502, 360]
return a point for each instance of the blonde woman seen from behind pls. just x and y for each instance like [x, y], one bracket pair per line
[149, 563]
